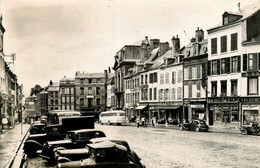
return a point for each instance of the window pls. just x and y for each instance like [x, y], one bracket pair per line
[81, 102]
[90, 90]
[252, 62]
[179, 93]
[146, 79]
[225, 65]
[234, 87]
[214, 67]
[155, 93]
[234, 42]
[186, 74]
[151, 78]
[150, 94]
[198, 89]
[155, 77]
[161, 94]
[89, 102]
[162, 79]
[223, 44]
[63, 90]
[167, 94]
[199, 72]
[249, 116]
[225, 20]
[98, 101]
[213, 88]
[142, 79]
[173, 94]
[234, 64]
[63, 99]
[72, 91]
[214, 46]
[194, 72]
[166, 78]
[252, 86]
[98, 90]
[89, 80]
[173, 77]
[190, 73]
[223, 88]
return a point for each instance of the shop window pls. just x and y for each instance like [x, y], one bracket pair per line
[252, 86]
[223, 88]
[234, 116]
[226, 116]
[213, 88]
[233, 87]
[250, 116]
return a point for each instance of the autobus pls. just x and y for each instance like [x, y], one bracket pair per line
[56, 116]
[112, 117]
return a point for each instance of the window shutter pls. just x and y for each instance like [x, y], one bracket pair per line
[258, 61]
[228, 65]
[238, 63]
[198, 72]
[209, 68]
[255, 62]
[244, 62]
[218, 67]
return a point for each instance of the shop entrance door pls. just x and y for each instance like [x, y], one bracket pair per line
[211, 117]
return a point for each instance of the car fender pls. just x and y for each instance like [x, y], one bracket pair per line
[30, 147]
[63, 159]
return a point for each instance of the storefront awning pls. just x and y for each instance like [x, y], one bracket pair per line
[140, 107]
[165, 107]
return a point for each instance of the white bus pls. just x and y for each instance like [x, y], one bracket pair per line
[112, 117]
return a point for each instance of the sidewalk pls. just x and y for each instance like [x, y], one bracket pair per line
[10, 141]
[211, 128]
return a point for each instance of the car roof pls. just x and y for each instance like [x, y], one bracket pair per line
[85, 130]
[106, 145]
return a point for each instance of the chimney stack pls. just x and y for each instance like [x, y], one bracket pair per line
[175, 45]
[238, 7]
[199, 35]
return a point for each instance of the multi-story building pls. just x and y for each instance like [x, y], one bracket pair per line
[194, 82]
[124, 60]
[41, 104]
[234, 49]
[110, 93]
[30, 108]
[90, 92]
[67, 93]
[54, 96]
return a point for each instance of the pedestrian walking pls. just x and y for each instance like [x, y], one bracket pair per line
[143, 122]
[137, 121]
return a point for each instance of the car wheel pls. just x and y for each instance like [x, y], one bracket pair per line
[244, 131]
[197, 129]
[181, 128]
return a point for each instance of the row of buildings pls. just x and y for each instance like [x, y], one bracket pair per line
[86, 92]
[215, 79]
[10, 91]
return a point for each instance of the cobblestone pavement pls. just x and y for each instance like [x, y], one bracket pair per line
[168, 148]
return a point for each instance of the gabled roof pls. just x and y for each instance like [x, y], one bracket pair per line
[54, 87]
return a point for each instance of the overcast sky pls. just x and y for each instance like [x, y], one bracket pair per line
[53, 39]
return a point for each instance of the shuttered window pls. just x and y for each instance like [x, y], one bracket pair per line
[244, 62]
[223, 44]
[214, 46]
[234, 42]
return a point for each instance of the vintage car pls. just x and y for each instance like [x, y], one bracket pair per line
[195, 125]
[253, 129]
[74, 139]
[103, 155]
[39, 126]
[62, 156]
[54, 132]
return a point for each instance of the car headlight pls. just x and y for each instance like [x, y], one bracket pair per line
[59, 165]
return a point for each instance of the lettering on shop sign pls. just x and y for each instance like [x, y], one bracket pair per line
[250, 99]
[250, 74]
[165, 103]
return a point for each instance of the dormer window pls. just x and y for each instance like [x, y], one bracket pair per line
[225, 20]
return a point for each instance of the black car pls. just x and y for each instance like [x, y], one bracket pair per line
[104, 154]
[254, 129]
[67, 155]
[195, 125]
[74, 139]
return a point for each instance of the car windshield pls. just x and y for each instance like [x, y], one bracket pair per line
[70, 135]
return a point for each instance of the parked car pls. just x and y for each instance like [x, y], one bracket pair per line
[38, 127]
[74, 139]
[104, 154]
[172, 121]
[62, 156]
[195, 125]
[161, 121]
[254, 129]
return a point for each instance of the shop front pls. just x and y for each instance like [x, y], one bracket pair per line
[167, 111]
[224, 112]
[250, 110]
[142, 110]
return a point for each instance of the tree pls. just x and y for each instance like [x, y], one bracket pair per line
[36, 89]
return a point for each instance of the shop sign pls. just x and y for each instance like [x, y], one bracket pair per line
[251, 99]
[249, 106]
[166, 103]
[248, 74]
[197, 105]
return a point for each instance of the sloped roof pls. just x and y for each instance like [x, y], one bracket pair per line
[245, 12]
[160, 60]
[54, 87]
[90, 75]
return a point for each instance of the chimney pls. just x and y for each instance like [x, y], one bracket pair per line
[239, 7]
[154, 43]
[164, 47]
[144, 46]
[51, 82]
[199, 35]
[109, 69]
[175, 45]
[78, 72]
